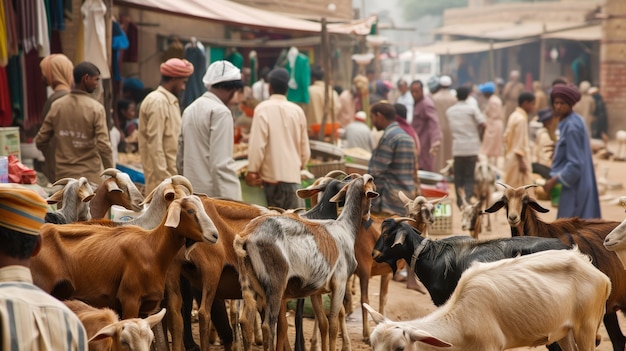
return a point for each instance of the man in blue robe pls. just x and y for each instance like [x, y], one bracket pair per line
[572, 166]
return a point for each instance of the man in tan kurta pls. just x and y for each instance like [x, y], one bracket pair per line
[160, 121]
[511, 91]
[444, 99]
[517, 160]
[315, 109]
[494, 113]
[586, 106]
[78, 124]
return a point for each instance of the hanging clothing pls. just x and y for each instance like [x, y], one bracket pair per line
[119, 42]
[4, 55]
[300, 77]
[6, 112]
[10, 26]
[131, 54]
[16, 86]
[194, 87]
[236, 59]
[57, 19]
[94, 35]
[27, 22]
[35, 93]
[42, 37]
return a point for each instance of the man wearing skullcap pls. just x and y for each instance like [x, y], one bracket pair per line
[444, 99]
[160, 121]
[205, 145]
[30, 319]
[494, 115]
[544, 142]
[572, 165]
[279, 145]
[57, 72]
[78, 124]
[358, 134]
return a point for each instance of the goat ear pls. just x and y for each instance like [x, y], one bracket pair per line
[307, 193]
[341, 195]
[173, 215]
[536, 206]
[370, 194]
[106, 332]
[84, 194]
[400, 237]
[56, 197]
[155, 318]
[425, 337]
[377, 317]
[495, 207]
[169, 194]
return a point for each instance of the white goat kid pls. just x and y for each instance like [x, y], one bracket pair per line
[421, 210]
[510, 303]
[74, 197]
[616, 240]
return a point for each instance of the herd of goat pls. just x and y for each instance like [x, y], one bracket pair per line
[549, 284]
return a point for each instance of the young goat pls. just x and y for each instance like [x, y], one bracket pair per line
[510, 303]
[107, 333]
[616, 240]
[124, 267]
[117, 189]
[74, 196]
[287, 256]
[589, 235]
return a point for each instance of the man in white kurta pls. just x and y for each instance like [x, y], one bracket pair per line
[517, 161]
[205, 146]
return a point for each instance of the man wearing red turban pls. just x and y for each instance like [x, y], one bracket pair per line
[572, 166]
[160, 121]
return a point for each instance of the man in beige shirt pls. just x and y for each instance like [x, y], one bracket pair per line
[275, 162]
[160, 121]
[78, 124]
[315, 108]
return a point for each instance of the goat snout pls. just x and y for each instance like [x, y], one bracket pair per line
[376, 254]
[514, 219]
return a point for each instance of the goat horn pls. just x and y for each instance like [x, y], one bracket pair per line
[437, 201]
[277, 209]
[63, 181]
[111, 172]
[530, 186]
[181, 180]
[335, 174]
[404, 219]
[506, 186]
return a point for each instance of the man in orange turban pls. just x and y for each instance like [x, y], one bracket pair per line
[160, 123]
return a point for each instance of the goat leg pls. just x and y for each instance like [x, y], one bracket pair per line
[322, 320]
[299, 344]
[615, 333]
[219, 317]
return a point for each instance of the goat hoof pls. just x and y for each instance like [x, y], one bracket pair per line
[192, 348]
[366, 339]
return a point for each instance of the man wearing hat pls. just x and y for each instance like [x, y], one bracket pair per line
[30, 319]
[494, 123]
[358, 134]
[205, 145]
[572, 165]
[544, 142]
[159, 123]
[444, 99]
[275, 162]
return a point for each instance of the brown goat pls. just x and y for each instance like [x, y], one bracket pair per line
[124, 267]
[213, 269]
[107, 333]
[117, 189]
[588, 235]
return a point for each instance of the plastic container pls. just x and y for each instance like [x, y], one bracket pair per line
[443, 218]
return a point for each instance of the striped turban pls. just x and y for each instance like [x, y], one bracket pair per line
[176, 68]
[569, 93]
[21, 209]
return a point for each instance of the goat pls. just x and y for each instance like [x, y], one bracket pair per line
[510, 303]
[212, 269]
[303, 257]
[589, 235]
[439, 263]
[107, 333]
[75, 196]
[124, 267]
[117, 189]
[484, 186]
[421, 210]
[470, 215]
[616, 240]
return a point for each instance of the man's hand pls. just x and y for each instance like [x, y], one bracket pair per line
[253, 179]
[434, 149]
[550, 184]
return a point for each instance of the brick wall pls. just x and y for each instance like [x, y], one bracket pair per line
[613, 64]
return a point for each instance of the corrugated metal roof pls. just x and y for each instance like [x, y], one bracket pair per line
[229, 12]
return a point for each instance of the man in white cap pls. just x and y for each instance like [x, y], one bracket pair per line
[444, 99]
[510, 93]
[205, 145]
[358, 134]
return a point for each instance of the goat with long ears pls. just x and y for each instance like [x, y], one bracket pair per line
[588, 234]
[117, 189]
[75, 196]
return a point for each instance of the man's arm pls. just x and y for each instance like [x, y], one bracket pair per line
[103, 143]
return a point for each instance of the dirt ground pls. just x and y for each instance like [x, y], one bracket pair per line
[405, 304]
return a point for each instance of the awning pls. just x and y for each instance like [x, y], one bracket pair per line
[457, 47]
[505, 30]
[230, 12]
[591, 33]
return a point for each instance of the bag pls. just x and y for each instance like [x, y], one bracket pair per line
[19, 173]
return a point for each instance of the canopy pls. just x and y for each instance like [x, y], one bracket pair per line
[230, 12]
[591, 33]
[457, 47]
[505, 30]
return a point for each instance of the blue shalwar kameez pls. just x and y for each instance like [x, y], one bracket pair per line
[573, 166]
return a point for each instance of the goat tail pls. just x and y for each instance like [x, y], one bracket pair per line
[239, 243]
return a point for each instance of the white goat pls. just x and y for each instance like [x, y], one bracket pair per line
[484, 185]
[616, 240]
[74, 196]
[106, 332]
[288, 256]
[510, 303]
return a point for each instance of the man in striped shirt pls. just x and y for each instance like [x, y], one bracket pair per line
[30, 319]
[393, 161]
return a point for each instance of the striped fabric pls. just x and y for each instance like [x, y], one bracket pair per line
[393, 165]
[21, 209]
[32, 320]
